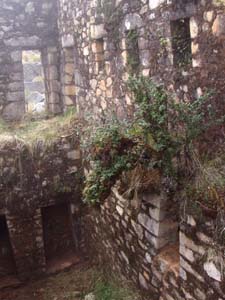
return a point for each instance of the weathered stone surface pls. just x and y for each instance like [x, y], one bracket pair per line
[213, 271]
[218, 26]
[14, 111]
[155, 3]
[90, 296]
[98, 31]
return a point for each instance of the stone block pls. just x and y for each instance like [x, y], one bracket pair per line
[187, 253]
[119, 210]
[53, 73]
[156, 242]
[16, 86]
[53, 98]
[187, 267]
[15, 96]
[14, 111]
[156, 200]
[69, 90]
[142, 281]
[68, 101]
[188, 243]
[67, 40]
[98, 31]
[213, 271]
[193, 28]
[16, 56]
[153, 4]
[74, 155]
[218, 28]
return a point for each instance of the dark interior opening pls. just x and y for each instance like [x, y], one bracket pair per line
[7, 263]
[99, 56]
[59, 241]
[181, 42]
[133, 58]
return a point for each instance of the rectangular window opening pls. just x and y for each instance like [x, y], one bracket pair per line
[7, 263]
[133, 59]
[181, 42]
[34, 84]
[98, 48]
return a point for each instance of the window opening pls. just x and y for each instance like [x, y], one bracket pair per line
[7, 263]
[133, 59]
[181, 42]
[98, 48]
[59, 243]
[33, 81]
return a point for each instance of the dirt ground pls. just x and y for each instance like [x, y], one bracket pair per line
[73, 284]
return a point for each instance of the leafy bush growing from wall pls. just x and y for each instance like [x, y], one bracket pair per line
[161, 131]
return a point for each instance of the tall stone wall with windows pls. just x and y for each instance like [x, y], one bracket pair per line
[27, 25]
[99, 32]
[181, 261]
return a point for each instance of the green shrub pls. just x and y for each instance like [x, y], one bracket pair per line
[161, 131]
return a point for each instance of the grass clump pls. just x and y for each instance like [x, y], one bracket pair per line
[113, 290]
[32, 131]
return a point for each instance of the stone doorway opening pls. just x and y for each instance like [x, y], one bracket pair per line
[34, 82]
[59, 239]
[7, 262]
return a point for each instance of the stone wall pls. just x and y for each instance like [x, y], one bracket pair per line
[98, 32]
[32, 178]
[146, 246]
[27, 25]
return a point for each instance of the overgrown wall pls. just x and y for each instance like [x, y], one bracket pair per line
[98, 32]
[31, 178]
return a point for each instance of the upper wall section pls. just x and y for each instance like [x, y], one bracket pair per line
[24, 25]
[112, 39]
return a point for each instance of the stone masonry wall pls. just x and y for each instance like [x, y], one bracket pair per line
[142, 245]
[33, 178]
[27, 25]
[145, 246]
[98, 32]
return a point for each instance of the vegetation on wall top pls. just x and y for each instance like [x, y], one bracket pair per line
[163, 137]
[31, 131]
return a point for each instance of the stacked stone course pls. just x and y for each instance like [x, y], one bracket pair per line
[149, 249]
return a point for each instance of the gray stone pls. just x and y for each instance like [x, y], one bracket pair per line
[143, 282]
[155, 3]
[14, 111]
[74, 154]
[98, 31]
[15, 96]
[67, 40]
[213, 271]
[16, 56]
[90, 296]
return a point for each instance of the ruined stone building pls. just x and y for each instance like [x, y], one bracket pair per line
[86, 56]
